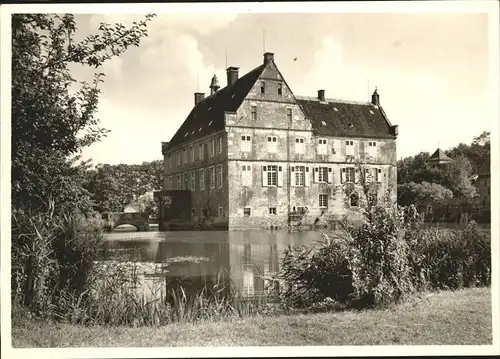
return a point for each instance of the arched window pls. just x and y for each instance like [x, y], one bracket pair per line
[354, 199]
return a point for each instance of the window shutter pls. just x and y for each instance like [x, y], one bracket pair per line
[264, 176]
[329, 175]
[315, 175]
[249, 175]
[291, 173]
[307, 177]
[280, 176]
[342, 148]
[342, 175]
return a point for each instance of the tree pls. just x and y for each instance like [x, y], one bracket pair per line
[115, 186]
[53, 115]
[460, 177]
[421, 193]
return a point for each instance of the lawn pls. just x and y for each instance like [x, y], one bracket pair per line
[446, 318]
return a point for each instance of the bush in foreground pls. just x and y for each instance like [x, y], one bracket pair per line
[385, 259]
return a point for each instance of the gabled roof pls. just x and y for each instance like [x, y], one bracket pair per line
[439, 156]
[346, 118]
[208, 115]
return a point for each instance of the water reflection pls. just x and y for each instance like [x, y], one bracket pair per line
[248, 259]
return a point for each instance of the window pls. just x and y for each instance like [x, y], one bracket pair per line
[272, 210]
[202, 179]
[220, 211]
[272, 144]
[280, 89]
[247, 211]
[219, 176]
[372, 149]
[246, 144]
[289, 114]
[178, 158]
[323, 201]
[349, 148]
[170, 184]
[262, 87]
[179, 182]
[168, 161]
[185, 156]
[246, 176]
[192, 212]
[254, 112]
[354, 199]
[321, 174]
[202, 151]
[193, 181]
[212, 148]
[299, 175]
[322, 148]
[272, 175]
[299, 145]
[192, 153]
[186, 182]
[349, 174]
[372, 199]
[219, 145]
[212, 177]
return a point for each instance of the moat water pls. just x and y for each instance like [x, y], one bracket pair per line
[247, 258]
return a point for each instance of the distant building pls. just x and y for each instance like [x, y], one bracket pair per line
[483, 184]
[252, 152]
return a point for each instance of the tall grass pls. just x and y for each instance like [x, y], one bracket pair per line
[52, 256]
[117, 297]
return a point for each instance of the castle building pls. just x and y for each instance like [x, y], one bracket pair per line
[253, 152]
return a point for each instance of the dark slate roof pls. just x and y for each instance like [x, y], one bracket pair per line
[212, 109]
[346, 118]
[439, 156]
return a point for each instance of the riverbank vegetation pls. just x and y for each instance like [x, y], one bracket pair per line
[460, 317]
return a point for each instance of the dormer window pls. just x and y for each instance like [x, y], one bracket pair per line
[210, 123]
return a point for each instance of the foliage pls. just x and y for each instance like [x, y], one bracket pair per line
[53, 115]
[422, 193]
[115, 186]
[450, 259]
[467, 160]
[459, 177]
[313, 274]
[52, 257]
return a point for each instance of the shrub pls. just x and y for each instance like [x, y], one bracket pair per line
[311, 275]
[362, 265]
[451, 258]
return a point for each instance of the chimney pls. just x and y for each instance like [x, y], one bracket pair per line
[268, 56]
[232, 75]
[321, 95]
[375, 98]
[198, 97]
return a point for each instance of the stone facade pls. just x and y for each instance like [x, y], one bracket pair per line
[273, 159]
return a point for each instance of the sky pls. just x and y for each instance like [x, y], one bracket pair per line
[431, 71]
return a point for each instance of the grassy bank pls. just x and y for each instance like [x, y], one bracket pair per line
[446, 318]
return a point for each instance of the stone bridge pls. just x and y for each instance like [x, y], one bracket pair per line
[139, 220]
